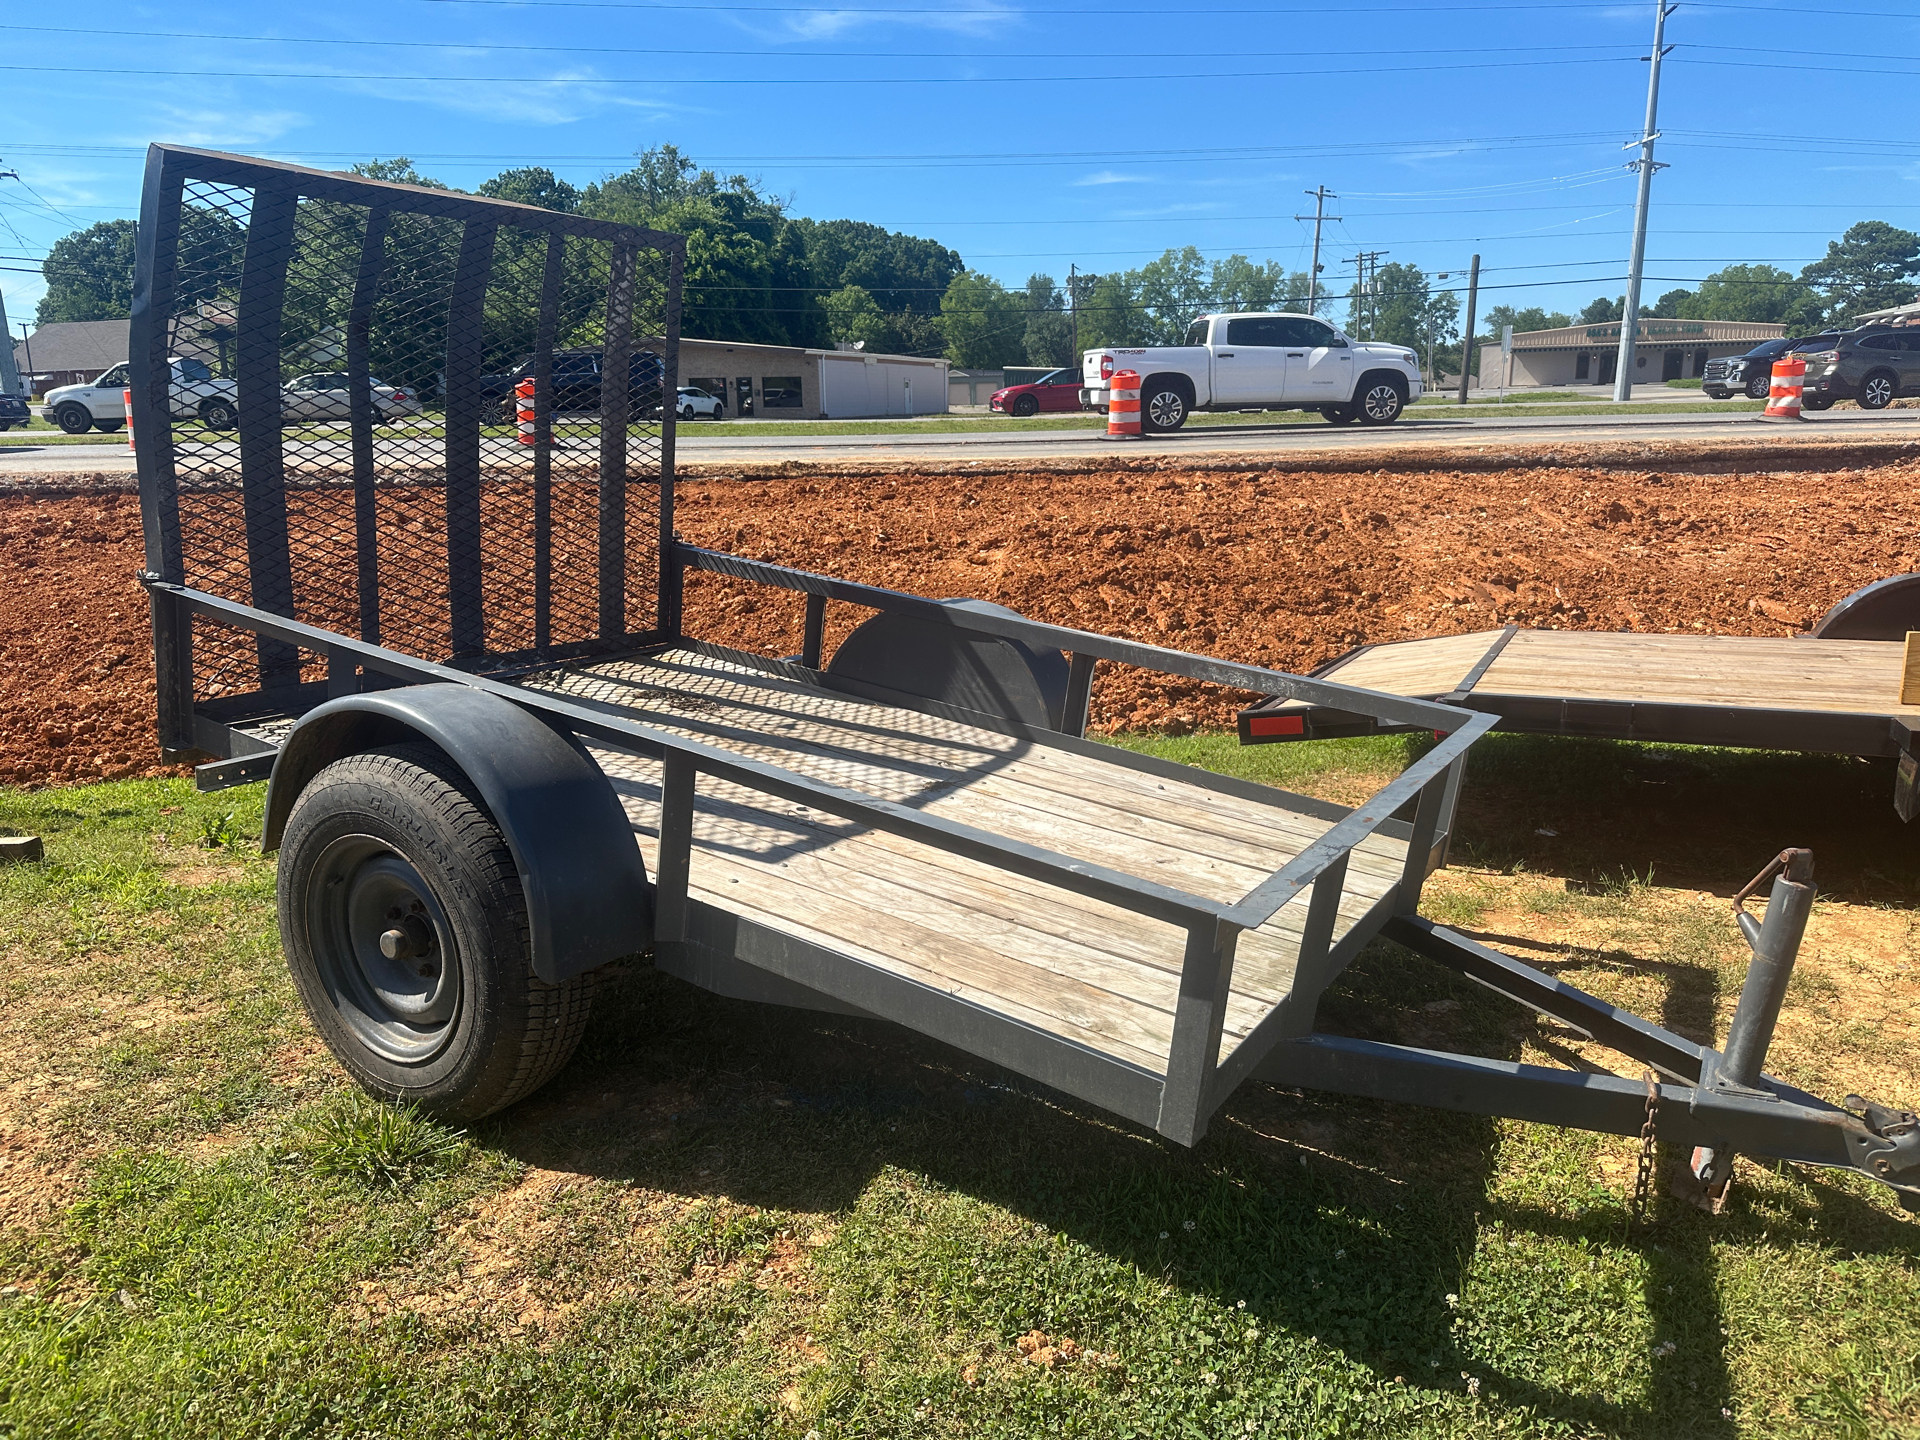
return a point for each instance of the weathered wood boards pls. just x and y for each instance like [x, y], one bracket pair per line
[1077, 967]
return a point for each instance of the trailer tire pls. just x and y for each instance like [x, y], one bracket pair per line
[398, 837]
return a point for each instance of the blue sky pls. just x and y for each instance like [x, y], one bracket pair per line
[1030, 137]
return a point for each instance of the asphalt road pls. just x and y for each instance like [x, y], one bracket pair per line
[1422, 429]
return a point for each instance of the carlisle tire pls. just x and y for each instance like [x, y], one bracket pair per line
[405, 928]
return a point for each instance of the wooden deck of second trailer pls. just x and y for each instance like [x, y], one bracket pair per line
[1077, 968]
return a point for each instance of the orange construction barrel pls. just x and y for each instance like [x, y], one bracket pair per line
[1783, 396]
[1123, 406]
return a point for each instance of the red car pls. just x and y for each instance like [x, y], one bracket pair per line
[1058, 391]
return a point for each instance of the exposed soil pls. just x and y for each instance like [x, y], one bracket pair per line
[1280, 565]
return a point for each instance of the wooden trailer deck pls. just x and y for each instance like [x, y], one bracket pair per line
[1842, 696]
[1075, 967]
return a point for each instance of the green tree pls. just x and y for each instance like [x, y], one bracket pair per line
[1111, 314]
[1674, 305]
[1760, 293]
[852, 316]
[1049, 332]
[1870, 267]
[89, 275]
[397, 171]
[1170, 292]
[535, 185]
[983, 324]
[1601, 310]
[1238, 284]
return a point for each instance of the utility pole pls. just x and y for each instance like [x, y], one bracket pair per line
[1073, 309]
[1466, 343]
[9, 372]
[1320, 195]
[1630, 317]
[1364, 308]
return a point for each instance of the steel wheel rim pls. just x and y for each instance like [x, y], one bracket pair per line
[1879, 392]
[403, 1006]
[1167, 408]
[1382, 402]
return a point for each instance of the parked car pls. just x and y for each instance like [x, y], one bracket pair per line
[327, 396]
[1871, 366]
[1050, 394]
[576, 383]
[102, 404]
[14, 411]
[1260, 361]
[1749, 374]
[693, 403]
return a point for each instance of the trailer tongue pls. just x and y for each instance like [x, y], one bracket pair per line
[500, 761]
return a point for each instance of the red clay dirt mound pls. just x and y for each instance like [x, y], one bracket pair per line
[1279, 567]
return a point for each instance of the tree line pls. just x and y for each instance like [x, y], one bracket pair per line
[758, 274]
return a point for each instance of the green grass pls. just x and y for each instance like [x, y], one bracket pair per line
[727, 1219]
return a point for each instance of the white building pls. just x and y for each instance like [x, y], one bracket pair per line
[1589, 354]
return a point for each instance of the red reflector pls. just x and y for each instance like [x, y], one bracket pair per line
[1277, 725]
[1439, 735]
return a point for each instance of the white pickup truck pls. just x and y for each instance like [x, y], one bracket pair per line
[1264, 362]
[102, 405]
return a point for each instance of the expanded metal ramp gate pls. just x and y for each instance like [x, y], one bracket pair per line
[353, 458]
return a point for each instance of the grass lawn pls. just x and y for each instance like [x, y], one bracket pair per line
[726, 1219]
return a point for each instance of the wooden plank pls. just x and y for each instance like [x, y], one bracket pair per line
[1910, 670]
[1082, 968]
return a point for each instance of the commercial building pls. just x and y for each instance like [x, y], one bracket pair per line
[787, 382]
[1589, 354]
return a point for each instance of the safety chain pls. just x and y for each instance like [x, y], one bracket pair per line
[1643, 1179]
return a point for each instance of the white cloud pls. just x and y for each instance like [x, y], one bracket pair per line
[960, 19]
[1111, 177]
[221, 128]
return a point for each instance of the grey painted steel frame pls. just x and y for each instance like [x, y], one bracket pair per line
[1195, 1087]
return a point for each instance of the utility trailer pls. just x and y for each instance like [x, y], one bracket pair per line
[1850, 686]
[498, 761]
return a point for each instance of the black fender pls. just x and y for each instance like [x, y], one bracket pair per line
[1884, 610]
[588, 900]
[955, 666]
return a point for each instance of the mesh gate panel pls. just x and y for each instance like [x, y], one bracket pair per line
[333, 422]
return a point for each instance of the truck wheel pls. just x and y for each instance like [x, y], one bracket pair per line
[1877, 391]
[1380, 401]
[219, 415]
[1338, 414]
[405, 928]
[1026, 405]
[1759, 387]
[74, 419]
[1163, 407]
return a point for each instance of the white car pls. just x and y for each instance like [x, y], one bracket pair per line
[102, 405]
[1260, 362]
[325, 395]
[693, 403]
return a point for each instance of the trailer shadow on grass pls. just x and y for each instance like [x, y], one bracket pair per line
[1392, 1261]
